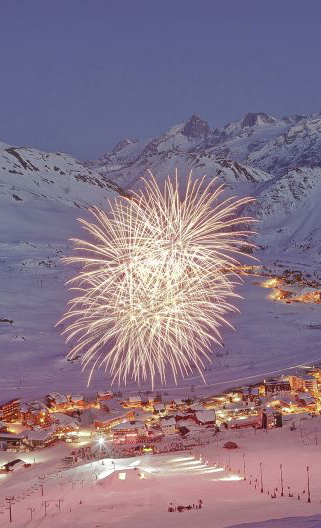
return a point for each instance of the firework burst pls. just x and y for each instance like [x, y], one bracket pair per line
[157, 279]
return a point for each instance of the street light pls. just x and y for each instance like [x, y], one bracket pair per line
[10, 501]
[31, 512]
[308, 475]
[261, 474]
[244, 466]
[281, 471]
[59, 502]
[41, 479]
[45, 503]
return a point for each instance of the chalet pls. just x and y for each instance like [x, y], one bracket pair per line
[194, 407]
[130, 433]
[235, 408]
[12, 465]
[284, 401]
[35, 414]
[178, 404]
[103, 396]
[154, 398]
[111, 406]
[112, 414]
[238, 423]
[159, 408]
[305, 400]
[277, 385]
[134, 401]
[308, 294]
[206, 418]
[12, 441]
[187, 415]
[77, 400]
[251, 394]
[9, 410]
[63, 423]
[143, 416]
[57, 401]
[41, 438]
[155, 433]
[168, 425]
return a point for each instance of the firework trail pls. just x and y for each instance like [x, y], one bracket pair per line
[157, 279]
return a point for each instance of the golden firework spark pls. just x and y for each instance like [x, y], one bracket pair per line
[156, 280]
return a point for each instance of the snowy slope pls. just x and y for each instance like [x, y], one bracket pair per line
[111, 493]
[41, 196]
[289, 212]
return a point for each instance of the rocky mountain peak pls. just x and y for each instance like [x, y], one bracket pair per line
[122, 144]
[196, 127]
[256, 118]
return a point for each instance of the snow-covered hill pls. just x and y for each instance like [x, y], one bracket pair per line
[41, 196]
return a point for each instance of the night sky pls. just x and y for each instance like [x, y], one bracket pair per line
[78, 75]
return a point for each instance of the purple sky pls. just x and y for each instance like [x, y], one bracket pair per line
[78, 75]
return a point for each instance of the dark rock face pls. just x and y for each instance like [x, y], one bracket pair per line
[252, 119]
[123, 143]
[196, 127]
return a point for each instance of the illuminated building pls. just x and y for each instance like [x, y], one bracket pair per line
[9, 410]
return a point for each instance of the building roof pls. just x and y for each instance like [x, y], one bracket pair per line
[129, 425]
[205, 416]
[235, 406]
[179, 401]
[169, 422]
[104, 417]
[6, 402]
[12, 436]
[159, 407]
[114, 406]
[306, 397]
[58, 398]
[133, 399]
[64, 419]
[13, 463]
[196, 407]
[308, 377]
[277, 381]
[76, 397]
[43, 434]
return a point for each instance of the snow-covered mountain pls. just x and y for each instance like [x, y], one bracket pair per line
[276, 160]
[185, 147]
[258, 140]
[42, 194]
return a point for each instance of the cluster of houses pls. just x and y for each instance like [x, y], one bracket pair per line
[44, 421]
[145, 419]
[139, 420]
[293, 288]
